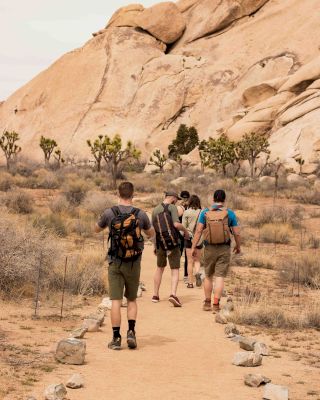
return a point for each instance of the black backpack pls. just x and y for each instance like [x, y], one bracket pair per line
[167, 235]
[125, 235]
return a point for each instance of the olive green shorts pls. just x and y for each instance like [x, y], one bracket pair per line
[124, 278]
[216, 260]
[173, 256]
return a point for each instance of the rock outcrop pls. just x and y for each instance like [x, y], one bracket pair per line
[224, 67]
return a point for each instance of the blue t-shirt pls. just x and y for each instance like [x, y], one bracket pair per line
[232, 219]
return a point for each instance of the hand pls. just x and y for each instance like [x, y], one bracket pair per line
[193, 252]
[237, 250]
[186, 235]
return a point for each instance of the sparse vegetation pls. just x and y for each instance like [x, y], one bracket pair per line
[48, 146]
[19, 202]
[303, 268]
[276, 233]
[158, 159]
[9, 147]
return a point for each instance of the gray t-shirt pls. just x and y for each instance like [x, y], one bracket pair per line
[108, 215]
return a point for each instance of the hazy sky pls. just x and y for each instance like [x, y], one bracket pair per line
[34, 33]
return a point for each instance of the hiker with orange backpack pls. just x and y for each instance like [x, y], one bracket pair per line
[217, 225]
[126, 244]
[165, 220]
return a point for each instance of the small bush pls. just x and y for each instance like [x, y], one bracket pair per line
[83, 226]
[304, 268]
[259, 260]
[314, 242]
[6, 182]
[53, 223]
[46, 179]
[306, 195]
[276, 233]
[75, 190]
[282, 215]
[59, 204]
[97, 202]
[19, 202]
[237, 202]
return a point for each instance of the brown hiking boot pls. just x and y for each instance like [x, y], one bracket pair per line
[215, 308]
[207, 305]
[175, 301]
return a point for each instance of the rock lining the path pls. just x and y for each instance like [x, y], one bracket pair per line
[255, 380]
[261, 348]
[55, 392]
[231, 330]
[76, 381]
[79, 333]
[221, 318]
[275, 392]
[71, 351]
[247, 344]
[99, 316]
[105, 304]
[92, 325]
[247, 359]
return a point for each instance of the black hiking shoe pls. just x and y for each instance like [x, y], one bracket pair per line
[115, 343]
[131, 339]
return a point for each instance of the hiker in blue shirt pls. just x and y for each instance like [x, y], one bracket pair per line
[216, 225]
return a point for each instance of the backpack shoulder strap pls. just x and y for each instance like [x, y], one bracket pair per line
[116, 211]
[165, 206]
[135, 211]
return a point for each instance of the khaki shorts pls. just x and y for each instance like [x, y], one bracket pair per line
[216, 260]
[173, 256]
[124, 277]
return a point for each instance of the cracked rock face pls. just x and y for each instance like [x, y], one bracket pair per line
[216, 65]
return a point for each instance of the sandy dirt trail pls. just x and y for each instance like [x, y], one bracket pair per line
[182, 354]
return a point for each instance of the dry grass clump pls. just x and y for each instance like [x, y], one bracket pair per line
[257, 259]
[306, 195]
[291, 216]
[264, 314]
[97, 202]
[21, 249]
[59, 204]
[75, 190]
[6, 182]
[303, 268]
[86, 273]
[237, 202]
[53, 223]
[276, 233]
[314, 241]
[82, 226]
[19, 202]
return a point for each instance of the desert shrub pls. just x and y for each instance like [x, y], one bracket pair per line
[82, 226]
[21, 248]
[279, 215]
[303, 268]
[46, 179]
[75, 190]
[314, 242]
[53, 223]
[6, 182]
[19, 202]
[276, 233]
[259, 260]
[97, 202]
[86, 274]
[237, 202]
[59, 204]
[306, 195]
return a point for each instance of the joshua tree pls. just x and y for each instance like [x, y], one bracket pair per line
[9, 147]
[97, 149]
[58, 157]
[186, 140]
[301, 162]
[115, 155]
[158, 159]
[48, 146]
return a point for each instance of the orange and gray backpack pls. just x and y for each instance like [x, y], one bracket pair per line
[167, 236]
[217, 229]
[125, 235]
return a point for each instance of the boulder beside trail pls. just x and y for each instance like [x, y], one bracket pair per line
[75, 382]
[105, 304]
[229, 306]
[231, 330]
[221, 318]
[275, 392]
[295, 179]
[79, 333]
[247, 359]
[91, 324]
[255, 380]
[247, 343]
[99, 316]
[55, 392]
[71, 351]
[261, 348]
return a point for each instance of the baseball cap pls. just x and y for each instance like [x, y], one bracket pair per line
[172, 193]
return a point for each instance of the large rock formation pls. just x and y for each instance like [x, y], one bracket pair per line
[232, 66]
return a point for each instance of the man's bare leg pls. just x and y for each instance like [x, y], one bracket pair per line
[116, 313]
[208, 286]
[157, 280]
[132, 310]
[174, 280]
[218, 288]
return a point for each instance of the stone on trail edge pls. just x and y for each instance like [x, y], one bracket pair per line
[247, 343]
[75, 382]
[99, 316]
[78, 333]
[92, 325]
[255, 380]
[231, 330]
[261, 348]
[275, 392]
[229, 306]
[221, 318]
[106, 304]
[71, 351]
[247, 359]
[55, 392]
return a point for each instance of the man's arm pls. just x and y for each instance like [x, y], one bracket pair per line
[150, 233]
[180, 227]
[98, 228]
[237, 238]
[197, 237]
